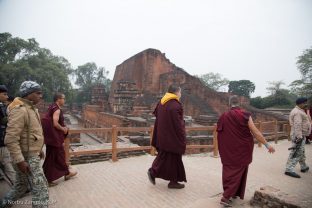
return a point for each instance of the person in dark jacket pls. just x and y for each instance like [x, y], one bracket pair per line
[169, 140]
[6, 166]
[309, 113]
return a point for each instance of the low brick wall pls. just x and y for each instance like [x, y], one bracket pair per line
[190, 140]
[83, 159]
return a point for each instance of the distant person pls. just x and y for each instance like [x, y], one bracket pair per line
[11, 98]
[55, 132]
[169, 140]
[300, 128]
[5, 160]
[309, 113]
[24, 140]
[236, 131]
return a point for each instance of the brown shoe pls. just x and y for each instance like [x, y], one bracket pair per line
[175, 185]
[70, 175]
[51, 184]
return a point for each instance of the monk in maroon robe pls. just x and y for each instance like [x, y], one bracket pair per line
[309, 112]
[55, 131]
[236, 131]
[169, 140]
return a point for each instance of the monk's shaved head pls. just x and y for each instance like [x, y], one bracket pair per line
[174, 88]
[234, 101]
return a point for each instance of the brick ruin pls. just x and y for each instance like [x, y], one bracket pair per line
[99, 96]
[140, 81]
[138, 84]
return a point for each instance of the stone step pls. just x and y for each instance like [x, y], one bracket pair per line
[271, 197]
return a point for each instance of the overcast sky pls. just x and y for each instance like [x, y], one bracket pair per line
[258, 40]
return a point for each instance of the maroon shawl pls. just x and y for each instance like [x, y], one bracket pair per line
[169, 128]
[235, 140]
[53, 136]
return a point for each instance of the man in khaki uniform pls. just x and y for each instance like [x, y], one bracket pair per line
[24, 140]
[300, 129]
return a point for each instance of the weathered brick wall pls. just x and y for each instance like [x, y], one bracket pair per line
[108, 120]
[262, 115]
[197, 98]
[144, 69]
[93, 117]
[152, 73]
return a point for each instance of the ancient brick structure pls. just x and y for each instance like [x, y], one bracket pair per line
[124, 96]
[139, 83]
[99, 96]
[150, 74]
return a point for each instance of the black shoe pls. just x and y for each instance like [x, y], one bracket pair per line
[151, 178]
[292, 174]
[304, 170]
[308, 141]
[175, 185]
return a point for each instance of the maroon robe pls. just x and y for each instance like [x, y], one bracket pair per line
[54, 165]
[53, 136]
[310, 136]
[236, 144]
[170, 141]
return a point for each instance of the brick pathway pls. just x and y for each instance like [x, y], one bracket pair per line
[125, 183]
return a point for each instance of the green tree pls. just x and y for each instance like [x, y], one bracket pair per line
[303, 87]
[304, 65]
[282, 98]
[214, 81]
[242, 87]
[279, 97]
[257, 102]
[274, 87]
[13, 48]
[87, 76]
[22, 60]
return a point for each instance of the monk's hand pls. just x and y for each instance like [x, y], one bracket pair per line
[23, 167]
[65, 130]
[271, 149]
[41, 155]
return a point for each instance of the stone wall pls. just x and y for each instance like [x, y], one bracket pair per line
[271, 197]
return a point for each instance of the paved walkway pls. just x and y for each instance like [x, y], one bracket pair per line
[125, 183]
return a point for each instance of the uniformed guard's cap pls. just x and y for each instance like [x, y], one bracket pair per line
[301, 100]
[3, 88]
[29, 87]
